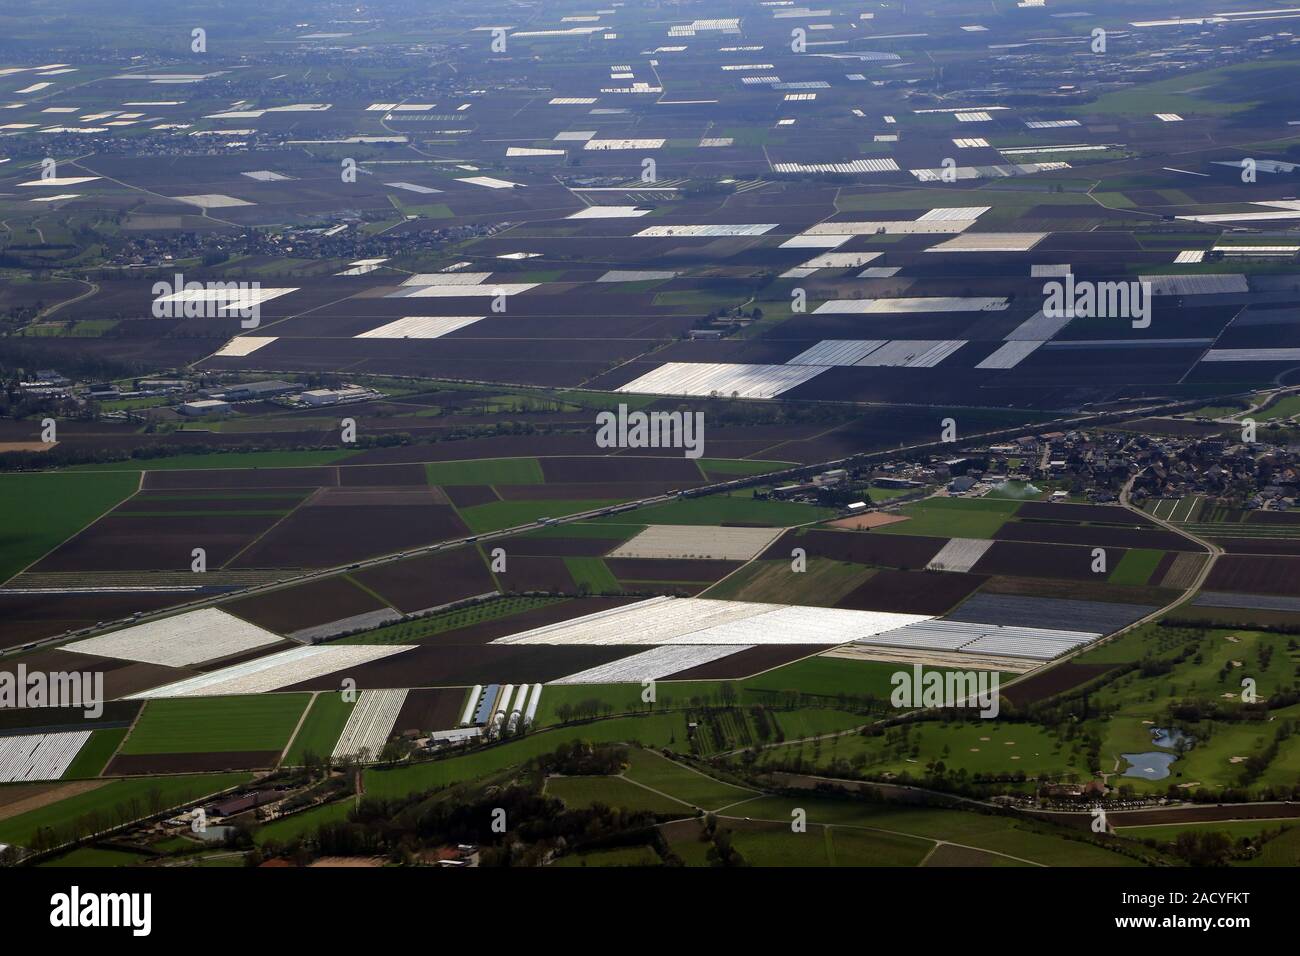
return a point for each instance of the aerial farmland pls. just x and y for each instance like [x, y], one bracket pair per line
[713, 434]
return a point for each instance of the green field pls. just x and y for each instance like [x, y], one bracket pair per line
[94, 856]
[655, 730]
[320, 730]
[487, 471]
[659, 773]
[1136, 567]
[300, 824]
[620, 856]
[95, 753]
[581, 792]
[593, 573]
[140, 794]
[40, 511]
[223, 460]
[737, 467]
[953, 517]
[215, 724]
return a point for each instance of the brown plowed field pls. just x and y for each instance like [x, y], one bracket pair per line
[1058, 680]
[1048, 511]
[467, 496]
[526, 573]
[559, 547]
[429, 580]
[146, 502]
[1093, 536]
[668, 569]
[305, 605]
[1045, 560]
[28, 617]
[318, 537]
[620, 469]
[430, 710]
[372, 475]
[156, 544]
[1255, 575]
[459, 665]
[863, 547]
[1259, 545]
[911, 592]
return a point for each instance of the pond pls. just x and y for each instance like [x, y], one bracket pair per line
[1149, 766]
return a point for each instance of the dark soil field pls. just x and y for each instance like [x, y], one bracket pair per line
[1093, 536]
[911, 592]
[426, 710]
[1047, 511]
[429, 580]
[1259, 545]
[320, 536]
[622, 469]
[1073, 562]
[862, 547]
[592, 490]
[583, 547]
[124, 543]
[467, 496]
[305, 605]
[26, 617]
[121, 678]
[526, 573]
[1049, 683]
[1255, 574]
[459, 665]
[659, 569]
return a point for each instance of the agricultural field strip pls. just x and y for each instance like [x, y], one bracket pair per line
[180, 640]
[39, 756]
[708, 378]
[667, 620]
[959, 554]
[965, 637]
[697, 541]
[370, 723]
[656, 663]
[1256, 602]
[274, 671]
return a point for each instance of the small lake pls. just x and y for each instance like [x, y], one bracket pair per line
[1149, 766]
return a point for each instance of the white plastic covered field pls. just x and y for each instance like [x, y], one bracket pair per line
[666, 620]
[39, 756]
[369, 724]
[656, 663]
[274, 671]
[697, 541]
[182, 640]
